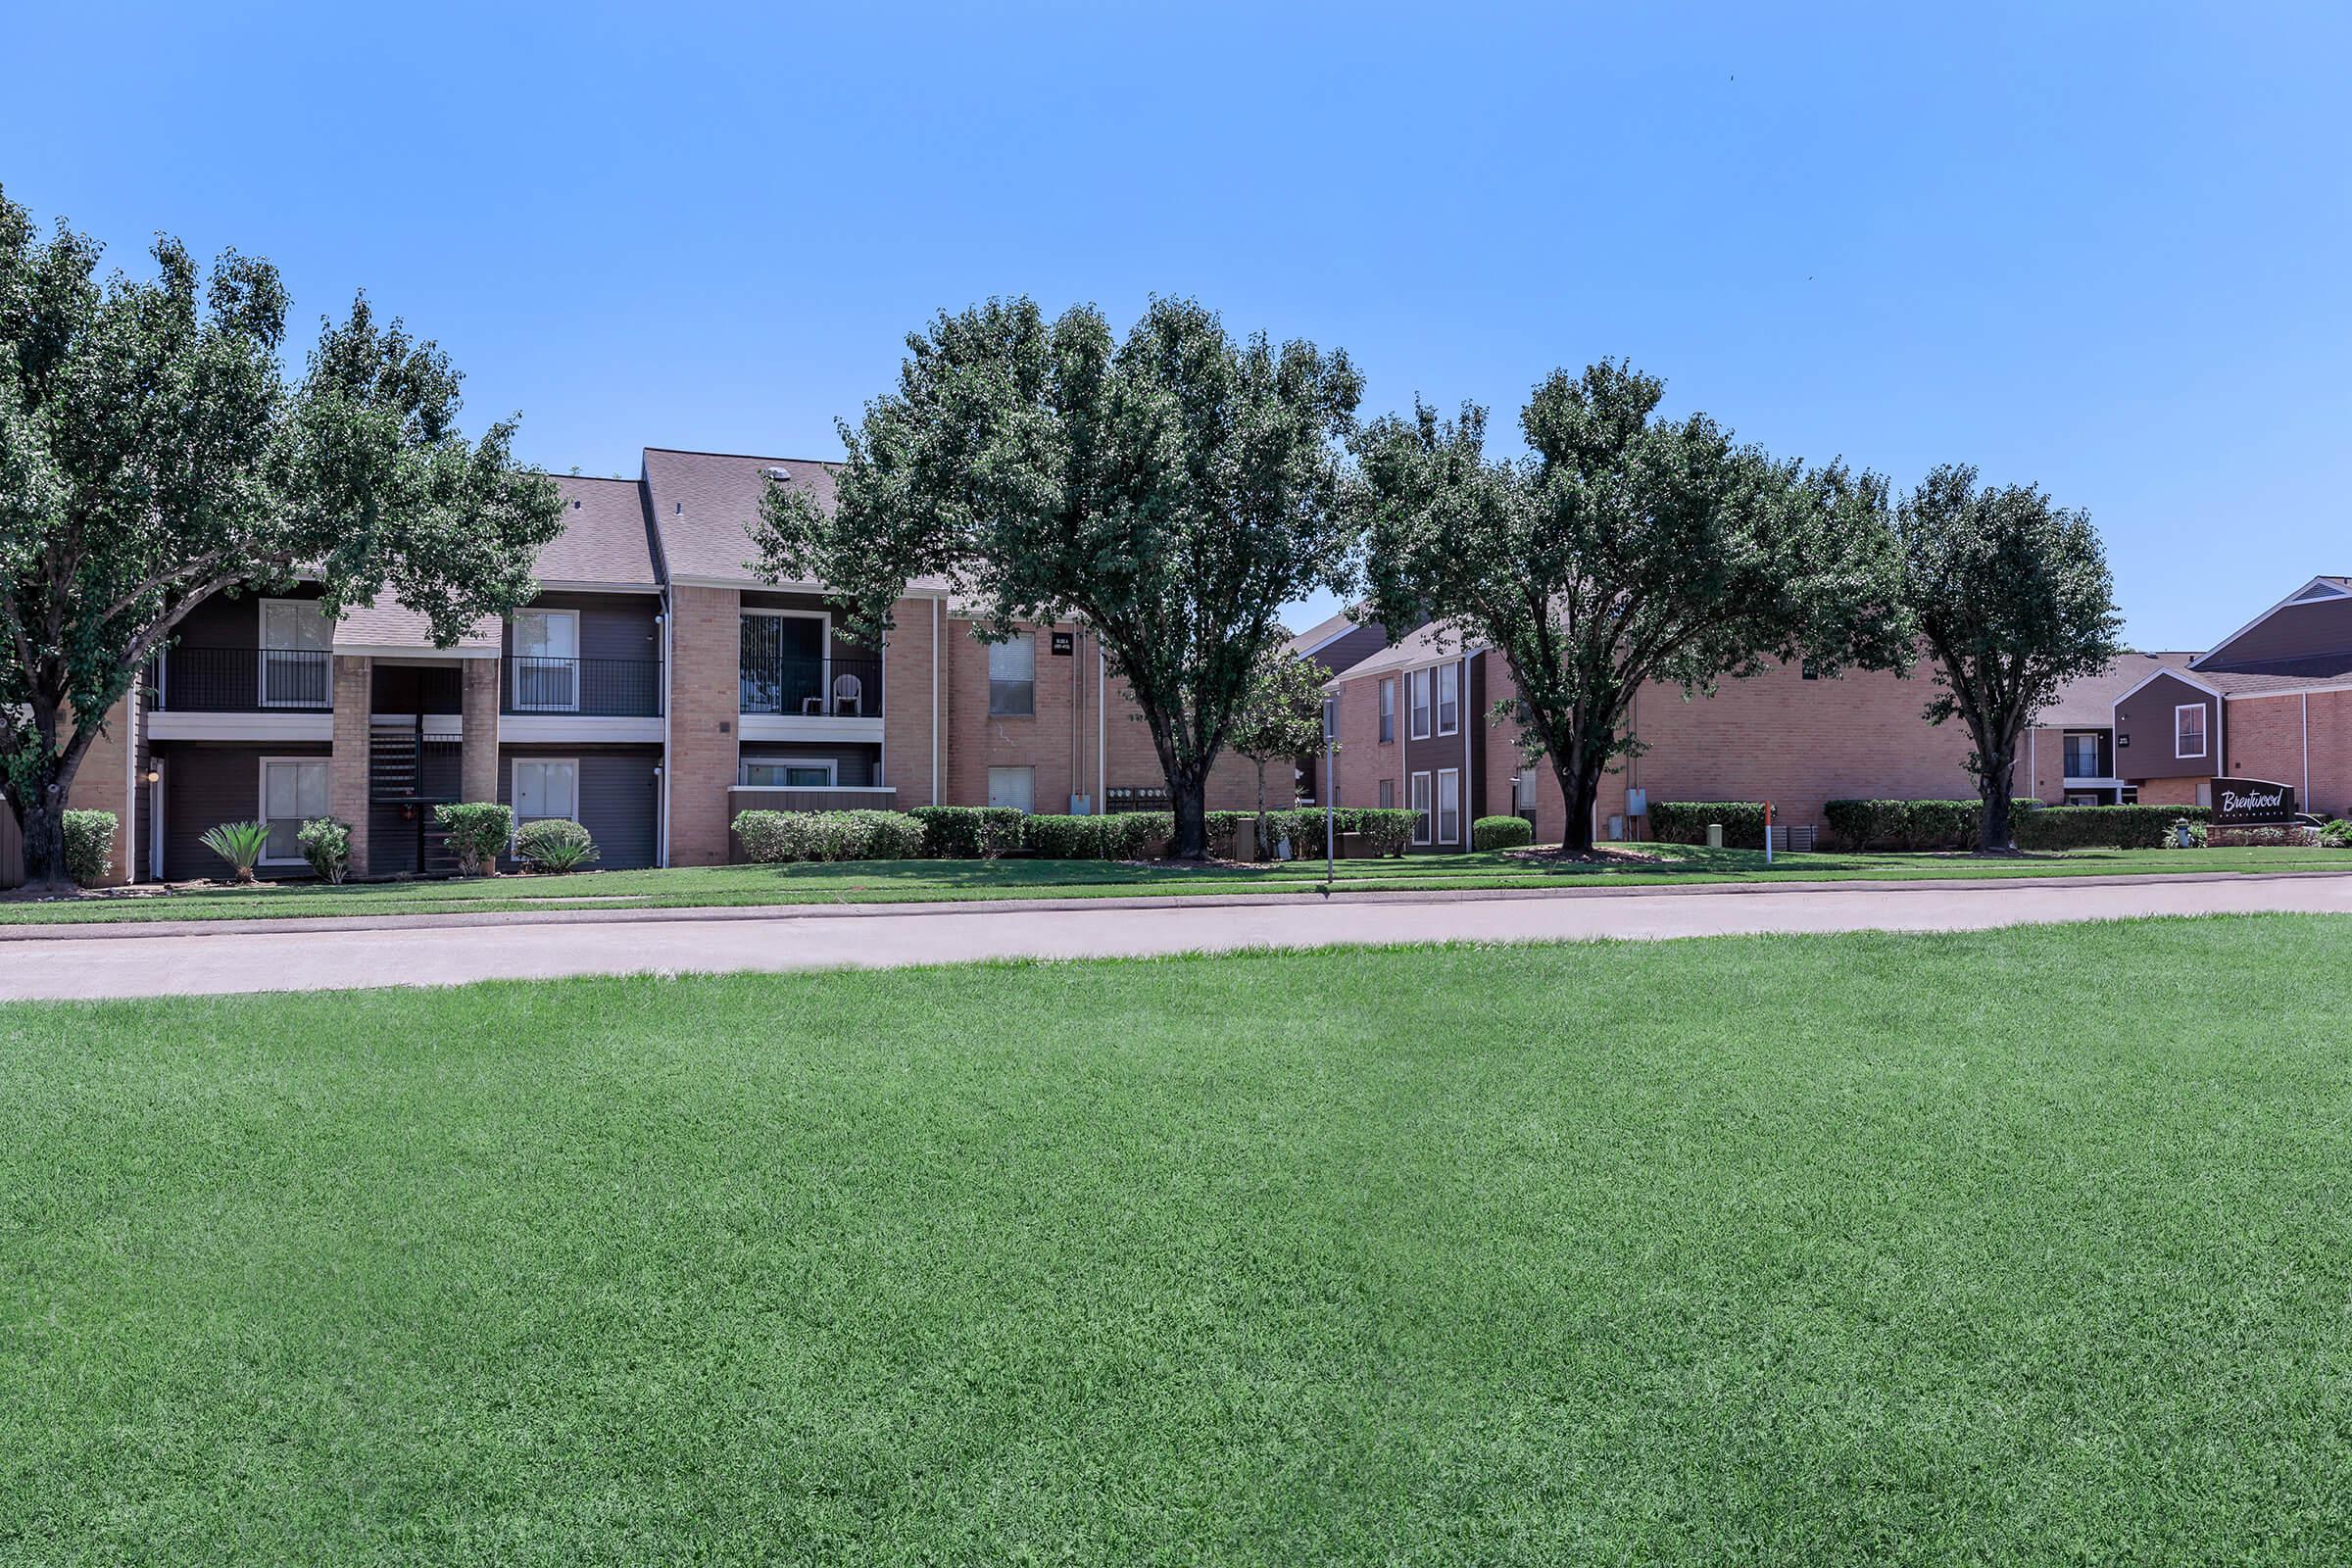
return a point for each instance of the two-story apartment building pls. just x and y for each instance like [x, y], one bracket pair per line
[653, 688]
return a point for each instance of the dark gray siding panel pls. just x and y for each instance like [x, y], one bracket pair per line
[612, 625]
[2143, 732]
[2298, 631]
[620, 798]
[205, 786]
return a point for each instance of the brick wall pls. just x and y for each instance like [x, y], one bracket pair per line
[704, 699]
[2264, 738]
[907, 699]
[102, 784]
[2174, 791]
[477, 768]
[347, 765]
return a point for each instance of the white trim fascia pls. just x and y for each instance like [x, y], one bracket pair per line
[561, 586]
[165, 726]
[829, 789]
[669, 613]
[1348, 630]
[2288, 603]
[757, 585]
[410, 653]
[437, 727]
[2207, 688]
[2288, 691]
[2075, 783]
[807, 727]
[539, 729]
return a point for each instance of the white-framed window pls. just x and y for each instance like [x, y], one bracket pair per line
[1387, 708]
[1419, 684]
[1420, 807]
[545, 787]
[1012, 677]
[1387, 793]
[2083, 756]
[297, 645]
[790, 772]
[293, 790]
[1450, 699]
[546, 661]
[1449, 805]
[1015, 787]
[2188, 730]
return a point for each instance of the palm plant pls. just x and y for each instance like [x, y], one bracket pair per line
[240, 844]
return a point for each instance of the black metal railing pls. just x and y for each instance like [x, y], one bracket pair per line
[242, 680]
[600, 688]
[841, 687]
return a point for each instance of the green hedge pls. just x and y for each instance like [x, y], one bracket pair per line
[1910, 824]
[1686, 822]
[1114, 836]
[2103, 827]
[776, 838]
[1501, 833]
[476, 831]
[1379, 831]
[89, 846]
[968, 832]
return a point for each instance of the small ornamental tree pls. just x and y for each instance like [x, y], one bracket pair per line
[1172, 490]
[2013, 599]
[1281, 717]
[1625, 548]
[153, 453]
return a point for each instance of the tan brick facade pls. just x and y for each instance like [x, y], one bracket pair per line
[477, 767]
[704, 703]
[347, 788]
[104, 783]
[2293, 738]
[911, 749]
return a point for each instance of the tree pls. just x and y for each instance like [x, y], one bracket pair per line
[153, 453]
[2013, 599]
[1172, 491]
[1624, 549]
[1281, 717]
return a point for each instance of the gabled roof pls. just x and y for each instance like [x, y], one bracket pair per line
[704, 505]
[2323, 589]
[1322, 634]
[2187, 677]
[607, 540]
[2088, 702]
[394, 630]
[1433, 644]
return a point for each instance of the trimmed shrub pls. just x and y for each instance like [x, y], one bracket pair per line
[774, 838]
[1501, 833]
[1225, 830]
[1067, 838]
[1384, 830]
[1909, 824]
[1686, 822]
[240, 844]
[1136, 835]
[91, 846]
[2103, 827]
[2264, 836]
[476, 831]
[968, 832]
[2337, 835]
[326, 845]
[553, 843]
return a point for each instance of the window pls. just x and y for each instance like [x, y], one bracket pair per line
[547, 661]
[544, 789]
[1419, 683]
[1450, 700]
[1449, 805]
[1387, 795]
[2083, 756]
[1015, 787]
[297, 640]
[1387, 708]
[1808, 671]
[1420, 807]
[2188, 730]
[790, 773]
[1012, 677]
[293, 790]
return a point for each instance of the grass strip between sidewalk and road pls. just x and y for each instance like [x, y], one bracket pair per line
[956, 881]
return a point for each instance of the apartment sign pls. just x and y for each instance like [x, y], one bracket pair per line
[2247, 800]
[1064, 643]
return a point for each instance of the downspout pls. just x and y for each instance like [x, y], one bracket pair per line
[2306, 696]
[935, 702]
[131, 785]
[669, 617]
[1102, 714]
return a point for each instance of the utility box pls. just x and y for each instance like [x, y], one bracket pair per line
[1714, 834]
[1082, 805]
[1637, 803]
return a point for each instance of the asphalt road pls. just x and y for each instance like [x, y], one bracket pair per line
[127, 961]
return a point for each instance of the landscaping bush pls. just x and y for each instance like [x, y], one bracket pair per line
[1501, 833]
[475, 831]
[776, 838]
[1686, 822]
[1136, 835]
[2337, 835]
[1909, 824]
[1383, 830]
[553, 843]
[968, 832]
[1224, 833]
[91, 846]
[326, 845]
[2196, 836]
[2264, 836]
[2103, 827]
[240, 844]
[1067, 838]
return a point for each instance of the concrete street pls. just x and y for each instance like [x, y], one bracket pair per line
[131, 961]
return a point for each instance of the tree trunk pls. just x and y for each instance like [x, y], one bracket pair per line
[44, 829]
[1580, 786]
[1993, 839]
[1261, 809]
[1188, 796]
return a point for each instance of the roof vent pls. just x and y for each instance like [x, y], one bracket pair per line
[779, 473]
[681, 509]
[575, 503]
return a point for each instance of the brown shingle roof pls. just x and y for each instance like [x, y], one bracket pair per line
[2090, 702]
[368, 627]
[1429, 645]
[703, 504]
[604, 539]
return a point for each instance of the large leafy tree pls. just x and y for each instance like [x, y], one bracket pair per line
[2013, 600]
[153, 452]
[1623, 549]
[1282, 715]
[1173, 490]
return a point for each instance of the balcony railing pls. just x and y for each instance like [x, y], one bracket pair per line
[242, 680]
[593, 688]
[840, 687]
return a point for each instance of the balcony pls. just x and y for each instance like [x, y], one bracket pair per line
[587, 688]
[242, 680]
[798, 697]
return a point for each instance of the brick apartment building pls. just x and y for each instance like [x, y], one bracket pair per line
[653, 688]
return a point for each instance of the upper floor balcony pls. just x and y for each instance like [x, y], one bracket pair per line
[241, 680]
[591, 687]
[785, 696]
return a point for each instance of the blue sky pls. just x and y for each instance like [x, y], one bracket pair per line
[2101, 248]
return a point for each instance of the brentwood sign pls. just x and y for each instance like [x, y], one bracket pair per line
[2252, 800]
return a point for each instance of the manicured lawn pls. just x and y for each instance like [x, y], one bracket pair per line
[890, 881]
[2026, 1246]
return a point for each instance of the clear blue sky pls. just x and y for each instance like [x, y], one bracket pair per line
[2102, 248]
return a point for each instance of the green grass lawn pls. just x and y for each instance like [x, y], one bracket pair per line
[2023, 1246]
[899, 881]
